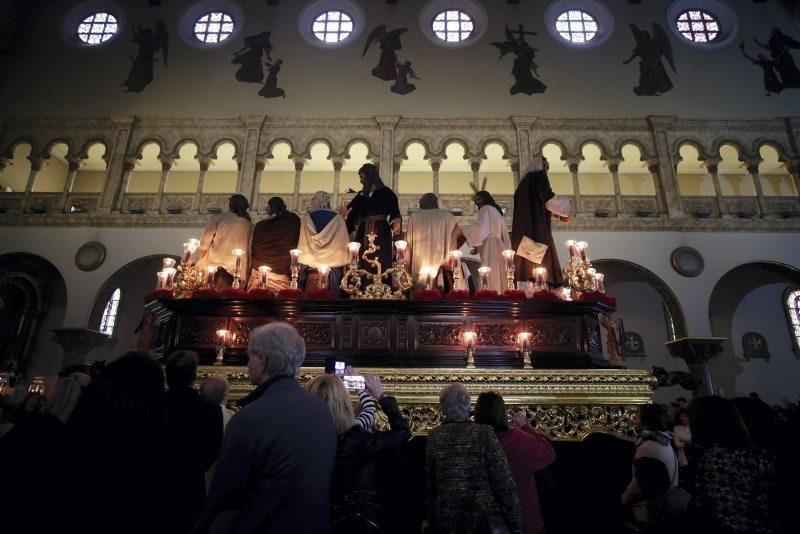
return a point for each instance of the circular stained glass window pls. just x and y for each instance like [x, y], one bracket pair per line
[453, 25]
[213, 27]
[698, 25]
[576, 26]
[98, 28]
[332, 26]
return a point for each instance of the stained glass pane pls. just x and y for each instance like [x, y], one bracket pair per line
[453, 25]
[577, 26]
[97, 28]
[704, 25]
[332, 26]
[214, 27]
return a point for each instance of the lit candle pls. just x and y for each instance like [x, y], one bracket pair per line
[264, 271]
[571, 248]
[238, 253]
[188, 250]
[455, 258]
[353, 247]
[509, 254]
[294, 267]
[161, 278]
[581, 247]
[401, 251]
[222, 335]
[167, 263]
[599, 284]
[540, 274]
[469, 340]
[524, 340]
[170, 271]
[428, 275]
[484, 277]
[222, 342]
[323, 276]
[566, 294]
[211, 272]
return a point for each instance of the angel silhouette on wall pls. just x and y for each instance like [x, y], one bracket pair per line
[250, 58]
[271, 89]
[401, 84]
[772, 84]
[150, 42]
[524, 67]
[653, 77]
[779, 46]
[386, 69]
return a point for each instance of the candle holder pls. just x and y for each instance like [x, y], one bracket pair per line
[524, 346]
[353, 247]
[237, 270]
[167, 263]
[170, 282]
[578, 274]
[540, 278]
[324, 270]
[571, 248]
[401, 246]
[221, 345]
[294, 266]
[483, 272]
[469, 349]
[188, 251]
[566, 294]
[599, 283]
[263, 272]
[455, 257]
[377, 289]
[211, 274]
[509, 254]
[580, 249]
[161, 280]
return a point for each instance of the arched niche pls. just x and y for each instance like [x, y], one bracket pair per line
[33, 300]
[593, 175]
[749, 298]
[278, 174]
[91, 176]
[135, 281]
[52, 177]
[317, 173]
[223, 172]
[348, 177]
[559, 175]
[648, 307]
[775, 179]
[147, 173]
[497, 170]
[734, 180]
[17, 170]
[185, 171]
[455, 173]
[634, 177]
[693, 179]
[416, 175]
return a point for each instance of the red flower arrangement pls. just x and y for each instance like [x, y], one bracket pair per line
[260, 294]
[290, 294]
[205, 293]
[461, 294]
[427, 294]
[545, 296]
[159, 294]
[320, 293]
[233, 293]
[487, 294]
[596, 296]
[515, 295]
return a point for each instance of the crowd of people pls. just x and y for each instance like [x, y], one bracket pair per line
[322, 235]
[136, 448]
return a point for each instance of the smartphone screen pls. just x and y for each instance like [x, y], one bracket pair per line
[354, 382]
[334, 366]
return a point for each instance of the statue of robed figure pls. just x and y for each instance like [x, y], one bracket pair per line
[389, 43]
[650, 49]
[250, 58]
[150, 42]
[524, 67]
[779, 46]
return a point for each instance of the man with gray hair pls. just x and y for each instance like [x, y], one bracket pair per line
[274, 470]
[470, 488]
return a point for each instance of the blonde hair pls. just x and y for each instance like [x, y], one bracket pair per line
[331, 390]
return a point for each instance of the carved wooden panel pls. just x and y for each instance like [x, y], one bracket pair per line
[554, 334]
[241, 327]
[402, 333]
[496, 334]
[317, 334]
[373, 333]
[439, 334]
[594, 341]
[199, 331]
[347, 334]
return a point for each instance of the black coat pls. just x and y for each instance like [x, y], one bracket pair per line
[274, 470]
[355, 506]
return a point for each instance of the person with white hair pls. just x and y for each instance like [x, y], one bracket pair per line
[217, 390]
[323, 240]
[275, 467]
[470, 487]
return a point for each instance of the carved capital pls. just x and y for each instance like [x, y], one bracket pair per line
[3, 163]
[436, 162]
[129, 163]
[514, 164]
[338, 162]
[752, 165]
[261, 162]
[398, 162]
[612, 162]
[37, 162]
[712, 164]
[74, 162]
[167, 161]
[299, 163]
[205, 161]
[573, 162]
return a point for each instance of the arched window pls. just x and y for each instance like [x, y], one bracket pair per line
[791, 300]
[109, 319]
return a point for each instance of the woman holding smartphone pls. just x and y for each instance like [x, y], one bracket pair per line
[354, 502]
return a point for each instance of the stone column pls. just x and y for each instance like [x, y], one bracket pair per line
[167, 161]
[115, 157]
[398, 162]
[255, 200]
[436, 163]
[338, 163]
[514, 164]
[299, 163]
[205, 163]
[127, 169]
[523, 126]
[712, 166]
[752, 168]
[573, 162]
[697, 353]
[793, 166]
[74, 163]
[37, 163]
[475, 167]
[77, 343]
[387, 124]
[613, 167]
[247, 184]
[660, 127]
[661, 201]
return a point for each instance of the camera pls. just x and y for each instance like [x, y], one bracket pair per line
[355, 382]
[334, 366]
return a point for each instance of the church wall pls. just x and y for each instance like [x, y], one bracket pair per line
[52, 177]
[468, 81]
[277, 182]
[89, 182]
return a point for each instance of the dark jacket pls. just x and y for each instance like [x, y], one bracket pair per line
[194, 435]
[274, 470]
[355, 505]
[468, 480]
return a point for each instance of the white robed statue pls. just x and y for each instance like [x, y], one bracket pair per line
[431, 234]
[323, 239]
[489, 235]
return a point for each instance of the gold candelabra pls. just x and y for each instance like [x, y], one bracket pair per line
[188, 278]
[377, 290]
[578, 274]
